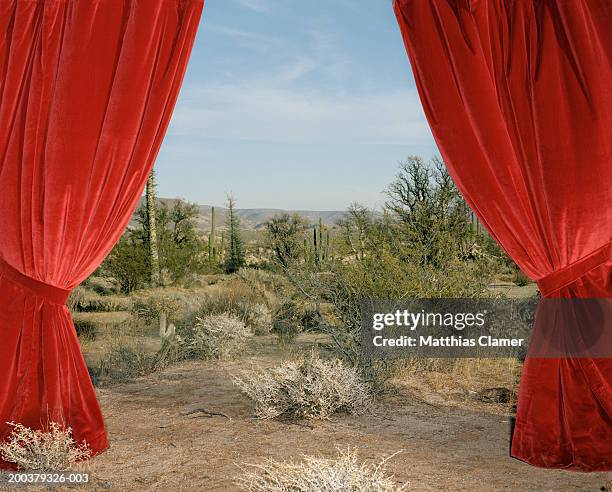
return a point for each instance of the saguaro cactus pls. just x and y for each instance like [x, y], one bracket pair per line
[211, 238]
[222, 247]
[315, 244]
[321, 247]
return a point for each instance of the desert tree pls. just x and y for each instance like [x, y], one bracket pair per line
[432, 219]
[410, 250]
[180, 247]
[235, 253]
[285, 234]
[183, 246]
[182, 218]
[354, 226]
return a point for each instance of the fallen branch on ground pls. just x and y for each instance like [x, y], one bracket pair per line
[207, 413]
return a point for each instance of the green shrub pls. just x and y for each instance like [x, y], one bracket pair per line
[422, 246]
[86, 329]
[520, 279]
[181, 249]
[287, 321]
[128, 263]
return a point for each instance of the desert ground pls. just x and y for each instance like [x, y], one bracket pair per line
[449, 439]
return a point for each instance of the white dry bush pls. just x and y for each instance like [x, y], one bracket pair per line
[42, 450]
[259, 318]
[311, 388]
[345, 473]
[216, 336]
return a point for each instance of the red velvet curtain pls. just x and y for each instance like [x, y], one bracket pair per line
[87, 89]
[519, 98]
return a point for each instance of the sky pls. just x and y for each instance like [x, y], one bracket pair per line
[293, 105]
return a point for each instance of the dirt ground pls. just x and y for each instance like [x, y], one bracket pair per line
[448, 443]
[449, 440]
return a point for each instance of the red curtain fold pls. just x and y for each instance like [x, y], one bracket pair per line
[87, 89]
[518, 95]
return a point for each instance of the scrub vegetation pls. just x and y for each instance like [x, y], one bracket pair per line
[308, 388]
[345, 473]
[272, 316]
[51, 450]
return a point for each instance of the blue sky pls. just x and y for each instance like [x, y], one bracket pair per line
[293, 104]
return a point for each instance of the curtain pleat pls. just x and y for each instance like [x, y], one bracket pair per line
[87, 88]
[518, 96]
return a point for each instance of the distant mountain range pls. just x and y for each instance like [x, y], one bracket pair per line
[254, 218]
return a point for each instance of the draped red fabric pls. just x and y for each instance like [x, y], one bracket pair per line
[87, 89]
[518, 95]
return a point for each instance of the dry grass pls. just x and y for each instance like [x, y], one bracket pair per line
[43, 451]
[83, 299]
[460, 382]
[477, 370]
[125, 359]
[344, 473]
[310, 388]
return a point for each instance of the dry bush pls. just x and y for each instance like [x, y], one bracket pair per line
[216, 336]
[124, 362]
[310, 388]
[83, 299]
[43, 451]
[345, 473]
[262, 280]
[111, 304]
[236, 298]
[287, 321]
[77, 298]
[259, 318]
[148, 306]
[103, 285]
[312, 318]
[464, 381]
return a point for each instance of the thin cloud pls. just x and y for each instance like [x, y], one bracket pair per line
[297, 69]
[284, 115]
[255, 5]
